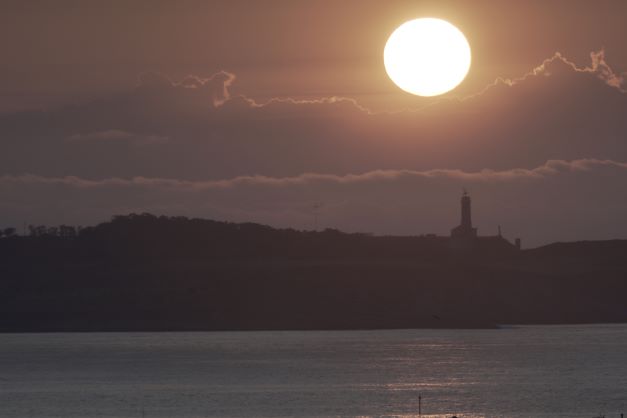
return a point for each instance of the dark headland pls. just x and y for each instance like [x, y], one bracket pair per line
[149, 273]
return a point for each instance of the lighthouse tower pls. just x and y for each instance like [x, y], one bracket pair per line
[465, 230]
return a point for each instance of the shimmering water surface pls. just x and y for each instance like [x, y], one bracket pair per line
[555, 371]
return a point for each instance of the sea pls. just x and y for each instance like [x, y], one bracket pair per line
[514, 372]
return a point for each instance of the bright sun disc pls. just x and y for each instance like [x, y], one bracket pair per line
[427, 56]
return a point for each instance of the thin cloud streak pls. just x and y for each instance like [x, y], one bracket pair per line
[550, 168]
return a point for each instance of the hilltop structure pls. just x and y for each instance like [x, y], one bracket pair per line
[465, 237]
[465, 230]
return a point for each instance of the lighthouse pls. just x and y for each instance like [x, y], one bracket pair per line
[465, 230]
[464, 236]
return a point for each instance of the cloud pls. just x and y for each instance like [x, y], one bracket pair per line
[227, 156]
[550, 168]
[216, 86]
[605, 72]
[554, 66]
[556, 111]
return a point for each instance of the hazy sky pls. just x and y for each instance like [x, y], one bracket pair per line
[256, 110]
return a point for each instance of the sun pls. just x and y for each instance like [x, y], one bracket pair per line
[427, 56]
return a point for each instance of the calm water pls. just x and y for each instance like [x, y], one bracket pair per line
[561, 371]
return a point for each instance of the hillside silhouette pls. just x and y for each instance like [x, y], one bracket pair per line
[143, 272]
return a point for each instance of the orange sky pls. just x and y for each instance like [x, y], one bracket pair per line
[64, 50]
[256, 132]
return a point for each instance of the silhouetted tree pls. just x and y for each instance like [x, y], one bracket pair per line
[37, 230]
[8, 232]
[67, 232]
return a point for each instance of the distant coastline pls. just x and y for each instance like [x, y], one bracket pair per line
[149, 273]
